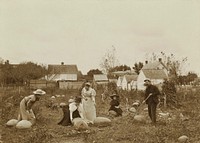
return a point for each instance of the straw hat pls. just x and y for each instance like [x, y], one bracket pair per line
[147, 79]
[39, 92]
[88, 84]
[114, 95]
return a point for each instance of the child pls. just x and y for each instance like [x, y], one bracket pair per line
[114, 105]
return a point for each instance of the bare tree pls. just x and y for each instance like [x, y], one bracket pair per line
[174, 65]
[109, 60]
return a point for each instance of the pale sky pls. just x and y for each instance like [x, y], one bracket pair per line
[81, 31]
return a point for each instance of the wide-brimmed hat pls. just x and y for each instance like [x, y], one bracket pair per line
[88, 83]
[114, 95]
[39, 92]
[147, 79]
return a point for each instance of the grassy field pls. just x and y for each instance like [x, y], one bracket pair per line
[123, 129]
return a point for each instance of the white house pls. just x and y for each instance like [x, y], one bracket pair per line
[63, 72]
[155, 71]
[119, 82]
[100, 79]
[127, 82]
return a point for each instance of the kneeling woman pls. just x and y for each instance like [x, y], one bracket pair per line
[72, 111]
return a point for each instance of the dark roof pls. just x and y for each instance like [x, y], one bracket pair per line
[63, 69]
[154, 74]
[153, 65]
[127, 72]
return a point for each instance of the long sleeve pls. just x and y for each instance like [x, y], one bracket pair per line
[72, 108]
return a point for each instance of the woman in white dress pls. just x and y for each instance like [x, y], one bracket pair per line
[26, 112]
[88, 101]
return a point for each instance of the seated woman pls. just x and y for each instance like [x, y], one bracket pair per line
[114, 106]
[71, 111]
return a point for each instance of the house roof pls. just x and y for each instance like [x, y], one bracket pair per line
[153, 65]
[100, 77]
[154, 74]
[130, 78]
[63, 69]
[130, 72]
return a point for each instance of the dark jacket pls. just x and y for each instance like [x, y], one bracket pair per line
[151, 89]
[66, 121]
[113, 107]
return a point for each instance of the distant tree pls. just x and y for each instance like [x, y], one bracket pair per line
[93, 71]
[120, 68]
[137, 67]
[109, 60]
[6, 73]
[26, 71]
[191, 77]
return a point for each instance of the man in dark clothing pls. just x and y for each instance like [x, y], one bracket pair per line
[151, 98]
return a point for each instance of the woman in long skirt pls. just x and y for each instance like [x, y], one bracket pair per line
[88, 100]
[26, 112]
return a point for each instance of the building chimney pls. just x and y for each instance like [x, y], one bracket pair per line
[160, 59]
[146, 62]
[62, 63]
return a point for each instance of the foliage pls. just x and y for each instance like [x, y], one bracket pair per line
[93, 71]
[21, 73]
[137, 67]
[186, 79]
[119, 68]
[169, 91]
[123, 129]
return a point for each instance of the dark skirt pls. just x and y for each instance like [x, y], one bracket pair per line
[66, 121]
[66, 116]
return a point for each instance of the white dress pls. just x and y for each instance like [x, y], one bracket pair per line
[24, 113]
[89, 103]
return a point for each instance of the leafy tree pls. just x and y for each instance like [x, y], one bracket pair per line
[93, 71]
[6, 73]
[137, 67]
[191, 77]
[26, 71]
[120, 68]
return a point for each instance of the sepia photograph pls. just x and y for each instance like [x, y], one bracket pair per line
[99, 71]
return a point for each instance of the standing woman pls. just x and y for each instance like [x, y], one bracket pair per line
[88, 100]
[26, 112]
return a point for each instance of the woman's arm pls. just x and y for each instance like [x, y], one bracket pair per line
[29, 104]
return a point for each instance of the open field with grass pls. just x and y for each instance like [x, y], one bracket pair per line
[123, 129]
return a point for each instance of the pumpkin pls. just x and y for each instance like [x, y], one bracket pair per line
[80, 124]
[183, 139]
[139, 118]
[132, 110]
[24, 124]
[102, 121]
[11, 122]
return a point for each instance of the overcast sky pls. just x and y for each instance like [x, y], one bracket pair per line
[80, 32]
